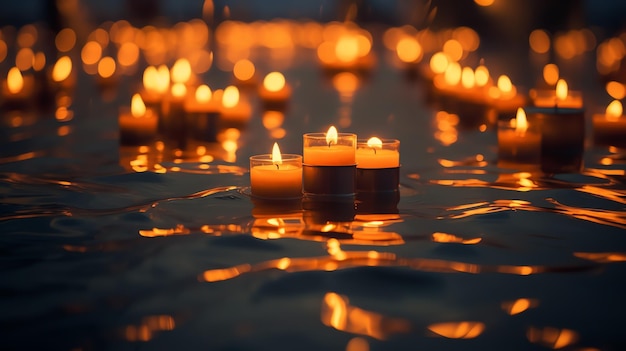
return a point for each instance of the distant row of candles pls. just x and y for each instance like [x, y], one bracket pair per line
[333, 165]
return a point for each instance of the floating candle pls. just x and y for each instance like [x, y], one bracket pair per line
[560, 97]
[139, 125]
[276, 176]
[377, 153]
[274, 90]
[610, 128]
[517, 142]
[235, 110]
[330, 149]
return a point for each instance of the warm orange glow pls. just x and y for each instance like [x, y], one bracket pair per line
[203, 94]
[274, 81]
[521, 123]
[39, 61]
[230, 98]
[453, 49]
[539, 41]
[409, 49]
[438, 62]
[552, 337]
[346, 82]
[217, 275]
[24, 59]
[452, 75]
[518, 306]
[551, 73]
[273, 119]
[91, 53]
[128, 54]
[561, 89]
[467, 78]
[27, 36]
[106, 67]
[244, 70]
[181, 71]
[347, 48]
[277, 159]
[614, 110]
[617, 90]
[504, 84]
[3, 50]
[62, 69]
[602, 257]
[374, 142]
[179, 90]
[15, 81]
[137, 107]
[484, 2]
[358, 344]
[458, 330]
[481, 76]
[331, 135]
[439, 237]
[65, 40]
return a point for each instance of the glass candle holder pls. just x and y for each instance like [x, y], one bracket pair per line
[271, 180]
[519, 147]
[329, 168]
[319, 151]
[378, 165]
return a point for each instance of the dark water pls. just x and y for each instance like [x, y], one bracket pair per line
[473, 256]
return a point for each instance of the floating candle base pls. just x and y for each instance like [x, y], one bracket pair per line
[328, 182]
[377, 179]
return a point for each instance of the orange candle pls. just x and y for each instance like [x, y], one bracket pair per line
[275, 90]
[276, 176]
[561, 97]
[139, 125]
[610, 128]
[377, 153]
[330, 149]
[518, 143]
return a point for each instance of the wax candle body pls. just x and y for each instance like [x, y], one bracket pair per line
[276, 181]
[547, 98]
[275, 97]
[333, 155]
[367, 157]
[134, 130]
[608, 131]
[519, 147]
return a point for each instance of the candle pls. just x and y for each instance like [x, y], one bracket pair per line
[203, 108]
[235, 110]
[62, 73]
[610, 128]
[377, 153]
[517, 142]
[139, 125]
[275, 90]
[276, 176]
[330, 149]
[17, 89]
[560, 97]
[156, 83]
[329, 164]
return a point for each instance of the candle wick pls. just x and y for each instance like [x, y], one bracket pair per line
[374, 150]
[277, 167]
[329, 143]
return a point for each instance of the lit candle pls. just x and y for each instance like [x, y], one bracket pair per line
[518, 143]
[235, 110]
[378, 165]
[156, 83]
[610, 128]
[276, 176]
[377, 153]
[139, 125]
[329, 164]
[275, 90]
[560, 97]
[330, 149]
[17, 89]
[62, 73]
[204, 109]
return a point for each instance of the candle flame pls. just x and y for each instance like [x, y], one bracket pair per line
[504, 84]
[163, 79]
[181, 71]
[331, 135]
[137, 107]
[203, 94]
[347, 48]
[481, 76]
[230, 98]
[561, 89]
[15, 81]
[179, 90]
[375, 142]
[62, 69]
[277, 159]
[467, 78]
[150, 78]
[274, 81]
[521, 123]
[614, 110]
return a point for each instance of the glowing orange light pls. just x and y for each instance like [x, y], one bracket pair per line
[62, 69]
[518, 306]
[504, 84]
[521, 123]
[106, 67]
[409, 50]
[539, 41]
[179, 90]
[277, 159]
[484, 3]
[163, 79]
[244, 70]
[452, 75]
[467, 78]
[561, 89]
[91, 53]
[347, 48]
[273, 119]
[65, 40]
[617, 90]
[331, 135]
[203, 94]
[128, 54]
[137, 107]
[274, 81]
[230, 98]
[614, 110]
[181, 71]
[453, 49]
[458, 330]
[24, 59]
[39, 61]
[481, 76]
[551, 73]
[438, 62]
[374, 142]
[346, 82]
[15, 81]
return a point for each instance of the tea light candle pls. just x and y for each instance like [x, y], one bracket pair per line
[156, 83]
[517, 142]
[329, 164]
[276, 176]
[17, 89]
[610, 128]
[235, 110]
[377, 153]
[560, 97]
[204, 109]
[274, 90]
[138, 125]
[330, 149]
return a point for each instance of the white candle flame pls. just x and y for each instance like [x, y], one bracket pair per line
[277, 159]
[331, 135]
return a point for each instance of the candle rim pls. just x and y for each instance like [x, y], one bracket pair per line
[386, 142]
[264, 159]
[323, 135]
